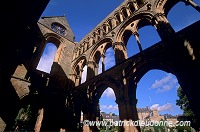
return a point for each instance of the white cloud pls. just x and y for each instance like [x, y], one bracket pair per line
[47, 58]
[165, 84]
[109, 107]
[165, 107]
[109, 93]
[154, 106]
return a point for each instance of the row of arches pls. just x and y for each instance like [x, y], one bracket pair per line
[127, 34]
[126, 11]
[149, 95]
[127, 98]
[106, 27]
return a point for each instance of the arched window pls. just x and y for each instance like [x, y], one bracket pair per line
[47, 58]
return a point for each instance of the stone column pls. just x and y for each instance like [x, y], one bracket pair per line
[90, 114]
[121, 17]
[128, 11]
[82, 48]
[86, 127]
[132, 113]
[136, 34]
[127, 114]
[85, 46]
[103, 62]
[77, 52]
[38, 123]
[95, 36]
[120, 52]
[163, 27]
[130, 103]
[80, 75]
[101, 32]
[114, 22]
[58, 53]
[135, 5]
[78, 79]
[73, 77]
[91, 67]
[91, 41]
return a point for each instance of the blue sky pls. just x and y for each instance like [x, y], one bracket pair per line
[157, 89]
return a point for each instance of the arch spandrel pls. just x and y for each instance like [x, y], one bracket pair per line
[80, 62]
[132, 24]
[165, 5]
[102, 84]
[53, 38]
[141, 67]
[101, 47]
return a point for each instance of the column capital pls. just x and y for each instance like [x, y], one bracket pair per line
[135, 33]
[134, 1]
[103, 55]
[91, 62]
[81, 70]
[118, 43]
[91, 36]
[119, 101]
[159, 14]
[160, 17]
[78, 76]
[73, 75]
[132, 101]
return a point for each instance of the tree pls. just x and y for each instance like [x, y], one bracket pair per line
[24, 118]
[188, 114]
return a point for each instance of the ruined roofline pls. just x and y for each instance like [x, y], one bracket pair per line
[46, 21]
[55, 32]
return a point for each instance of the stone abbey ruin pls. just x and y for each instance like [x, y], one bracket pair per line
[57, 98]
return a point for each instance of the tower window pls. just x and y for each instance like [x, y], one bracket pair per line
[58, 28]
